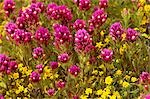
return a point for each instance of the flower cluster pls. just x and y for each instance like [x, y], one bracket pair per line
[62, 34]
[106, 54]
[79, 24]
[7, 65]
[42, 35]
[10, 28]
[103, 4]
[98, 18]
[58, 12]
[145, 77]
[74, 70]
[83, 4]
[63, 57]
[9, 6]
[38, 52]
[35, 76]
[83, 41]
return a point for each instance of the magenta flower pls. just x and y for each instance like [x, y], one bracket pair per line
[9, 6]
[76, 97]
[83, 41]
[4, 61]
[62, 34]
[12, 65]
[63, 57]
[10, 28]
[60, 84]
[38, 52]
[51, 92]
[131, 34]
[147, 96]
[98, 18]
[1, 96]
[35, 77]
[106, 55]
[20, 36]
[58, 12]
[116, 31]
[74, 70]
[103, 4]
[53, 65]
[42, 35]
[40, 68]
[83, 4]
[79, 24]
[145, 77]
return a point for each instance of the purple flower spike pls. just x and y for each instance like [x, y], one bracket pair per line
[116, 31]
[79, 24]
[98, 18]
[10, 28]
[74, 70]
[53, 65]
[40, 68]
[38, 52]
[62, 34]
[9, 6]
[83, 41]
[63, 57]
[106, 55]
[103, 4]
[35, 77]
[42, 35]
[131, 34]
[60, 84]
[51, 92]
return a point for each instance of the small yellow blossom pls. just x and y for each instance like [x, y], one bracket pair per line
[118, 72]
[113, 97]
[101, 73]
[99, 92]
[133, 79]
[147, 8]
[121, 81]
[83, 97]
[107, 40]
[127, 77]
[142, 1]
[95, 72]
[108, 80]
[102, 33]
[99, 45]
[125, 84]
[16, 75]
[25, 90]
[88, 91]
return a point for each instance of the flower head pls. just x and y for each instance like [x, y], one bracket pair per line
[131, 34]
[42, 35]
[60, 84]
[108, 80]
[53, 65]
[83, 41]
[63, 57]
[62, 34]
[106, 54]
[98, 18]
[103, 4]
[88, 91]
[83, 4]
[38, 52]
[51, 92]
[79, 24]
[147, 96]
[145, 77]
[74, 70]
[21, 36]
[35, 77]
[9, 6]
[40, 68]
[10, 28]
[116, 31]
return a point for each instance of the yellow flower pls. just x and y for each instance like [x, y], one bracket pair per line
[108, 80]
[1, 41]
[113, 97]
[99, 92]
[121, 81]
[118, 72]
[127, 77]
[125, 84]
[116, 93]
[142, 1]
[144, 20]
[95, 72]
[88, 91]
[133, 79]
[107, 40]
[83, 97]
[16, 75]
[147, 8]
[99, 45]
[102, 33]
[25, 90]
[101, 73]
[21, 88]
[30, 86]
